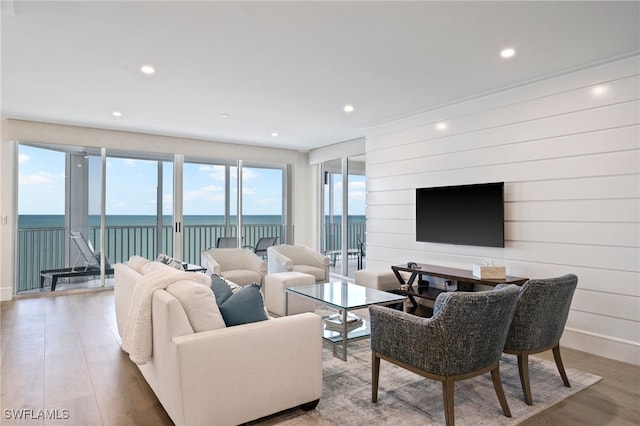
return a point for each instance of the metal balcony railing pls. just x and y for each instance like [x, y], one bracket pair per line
[45, 248]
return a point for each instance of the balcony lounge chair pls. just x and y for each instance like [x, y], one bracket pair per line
[91, 267]
[227, 242]
[262, 245]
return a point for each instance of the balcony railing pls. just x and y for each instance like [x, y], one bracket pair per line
[45, 248]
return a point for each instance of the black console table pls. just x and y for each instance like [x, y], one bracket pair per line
[464, 278]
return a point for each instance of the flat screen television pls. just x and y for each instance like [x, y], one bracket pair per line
[466, 214]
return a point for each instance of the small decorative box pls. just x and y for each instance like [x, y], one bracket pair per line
[489, 272]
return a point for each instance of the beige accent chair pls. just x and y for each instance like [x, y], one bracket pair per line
[238, 265]
[287, 258]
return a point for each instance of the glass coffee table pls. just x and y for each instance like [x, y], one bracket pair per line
[344, 297]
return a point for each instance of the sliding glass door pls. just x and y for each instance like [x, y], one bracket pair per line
[344, 221]
[60, 201]
[42, 240]
[262, 204]
[208, 211]
[210, 206]
[125, 204]
[138, 208]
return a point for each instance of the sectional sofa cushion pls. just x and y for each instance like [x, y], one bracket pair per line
[199, 304]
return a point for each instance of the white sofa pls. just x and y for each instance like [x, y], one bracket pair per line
[225, 376]
[238, 265]
[287, 258]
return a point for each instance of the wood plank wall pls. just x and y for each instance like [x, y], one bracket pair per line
[568, 150]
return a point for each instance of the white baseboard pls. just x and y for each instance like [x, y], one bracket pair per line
[6, 293]
[620, 350]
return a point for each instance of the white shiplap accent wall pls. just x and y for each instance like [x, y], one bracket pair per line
[570, 160]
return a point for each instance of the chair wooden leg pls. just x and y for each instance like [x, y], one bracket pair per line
[375, 375]
[523, 368]
[497, 384]
[556, 356]
[447, 394]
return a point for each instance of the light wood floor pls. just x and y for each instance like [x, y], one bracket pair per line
[62, 352]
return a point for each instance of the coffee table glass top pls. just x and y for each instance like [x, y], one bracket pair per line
[344, 295]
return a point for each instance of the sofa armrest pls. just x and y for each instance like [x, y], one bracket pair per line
[207, 261]
[278, 262]
[241, 373]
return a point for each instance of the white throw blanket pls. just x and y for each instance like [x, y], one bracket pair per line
[137, 340]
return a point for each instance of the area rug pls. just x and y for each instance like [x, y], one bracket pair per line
[405, 398]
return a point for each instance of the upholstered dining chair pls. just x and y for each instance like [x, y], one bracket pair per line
[463, 339]
[538, 323]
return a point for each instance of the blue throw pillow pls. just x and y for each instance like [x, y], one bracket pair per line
[220, 288]
[244, 306]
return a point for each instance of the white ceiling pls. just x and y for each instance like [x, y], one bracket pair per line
[286, 67]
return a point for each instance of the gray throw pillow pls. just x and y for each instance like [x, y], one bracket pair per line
[244, 306]
[220, 288]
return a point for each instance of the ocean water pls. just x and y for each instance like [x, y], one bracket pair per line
[57, 221]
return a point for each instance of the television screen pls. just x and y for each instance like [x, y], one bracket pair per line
[467, 214]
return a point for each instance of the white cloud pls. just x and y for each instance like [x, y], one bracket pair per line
[357, 195]
[199, 194]
[357, 185]
[248, 174]
[23, 158]
[41, 178]
[248, 191]
[266, 201]
[212, 188]
[215, 172]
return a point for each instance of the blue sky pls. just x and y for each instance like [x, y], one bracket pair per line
[131, 187]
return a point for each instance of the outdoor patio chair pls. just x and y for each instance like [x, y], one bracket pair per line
[262, 245]
[464, 338]
[227, 242]
[91, 266]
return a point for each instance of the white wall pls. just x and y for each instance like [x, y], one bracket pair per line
[570, 160]
[27, 131]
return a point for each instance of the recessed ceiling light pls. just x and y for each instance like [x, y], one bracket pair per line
[224, 115]
[509, 52]
[148, 69]
[274, 134]
[442, 125]
[599, 90]
[348, 108]
[116, 114]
